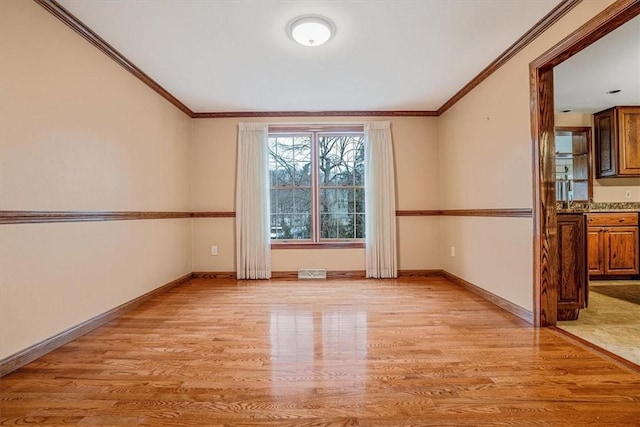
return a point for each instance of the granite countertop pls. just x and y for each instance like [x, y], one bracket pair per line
[586, 207]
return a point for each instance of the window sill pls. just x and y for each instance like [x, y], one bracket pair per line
[322, 245]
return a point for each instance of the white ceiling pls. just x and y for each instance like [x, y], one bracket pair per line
[581, 83]
[234, 55]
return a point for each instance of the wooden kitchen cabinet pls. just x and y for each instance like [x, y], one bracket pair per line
[595, 251]
[613, 244]
[573, 289]
[617, 142]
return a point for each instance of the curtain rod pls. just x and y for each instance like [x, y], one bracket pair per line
[307, 124]
[310, 127]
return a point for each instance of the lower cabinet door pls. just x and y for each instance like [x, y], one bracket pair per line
[572, 271]
[622, 256]
[595, 251]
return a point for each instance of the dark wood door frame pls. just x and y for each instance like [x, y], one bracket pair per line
[545, 242]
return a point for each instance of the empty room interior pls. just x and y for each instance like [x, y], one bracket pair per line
[426, 213]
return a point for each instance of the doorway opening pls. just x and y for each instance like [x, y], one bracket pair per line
[545, 238]
[543, 136]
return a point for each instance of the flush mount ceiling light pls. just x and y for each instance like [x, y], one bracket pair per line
[311, 30]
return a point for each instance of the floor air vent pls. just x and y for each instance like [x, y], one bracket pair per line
[319, 273]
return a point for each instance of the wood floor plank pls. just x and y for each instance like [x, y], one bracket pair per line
[406, 352]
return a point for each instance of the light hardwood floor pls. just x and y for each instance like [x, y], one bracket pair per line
[321, 353]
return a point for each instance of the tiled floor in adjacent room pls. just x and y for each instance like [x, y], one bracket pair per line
[609, 322]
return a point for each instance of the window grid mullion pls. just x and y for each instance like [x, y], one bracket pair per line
[315, 196]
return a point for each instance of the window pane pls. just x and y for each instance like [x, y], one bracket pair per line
[326, 197]
[281, 174]
[338, 226]
[302, 175]
[290, 179]
[302, 149]
[276, 228]
[301, 160]
[359, 200]
[328, 226]
[277, 163]
[302, 200]
[359, 162]
[290, 160]
[285, 201]
[359, 229]
[290, 226]
[285, 174]
[282, 201]
[336, 200]
[341, 160]
[300, 226]
[272, 169]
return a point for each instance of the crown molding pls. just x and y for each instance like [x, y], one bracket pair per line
[83, 30]
[368, 113]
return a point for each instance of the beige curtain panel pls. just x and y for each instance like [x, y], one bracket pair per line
[380, 201]
[253, 245]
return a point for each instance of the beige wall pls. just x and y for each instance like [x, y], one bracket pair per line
[608, 189]
[485, 162]
[213, 176]
[78, 132]
[614, 190]
[573, 119]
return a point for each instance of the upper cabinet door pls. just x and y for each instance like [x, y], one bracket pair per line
[617, 142]
[605, 128]
[629, 140]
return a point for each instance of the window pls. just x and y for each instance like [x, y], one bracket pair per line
[573, 163]
[317, 185]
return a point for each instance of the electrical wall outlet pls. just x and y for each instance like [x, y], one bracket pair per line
[627, 194]
[214, 250]
[453, 251]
